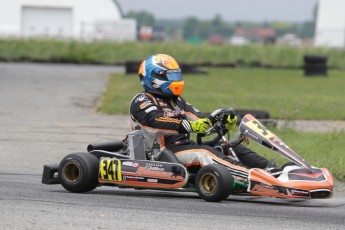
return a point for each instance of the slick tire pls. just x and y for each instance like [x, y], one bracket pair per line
[214, 183]
[78, 172]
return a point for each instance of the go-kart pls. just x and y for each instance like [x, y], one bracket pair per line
[130, 163]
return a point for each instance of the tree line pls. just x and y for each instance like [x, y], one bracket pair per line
[190, 27]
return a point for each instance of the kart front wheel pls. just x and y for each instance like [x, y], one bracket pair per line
[78, 172]
[214, 183]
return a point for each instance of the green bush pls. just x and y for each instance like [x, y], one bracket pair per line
[108, 52]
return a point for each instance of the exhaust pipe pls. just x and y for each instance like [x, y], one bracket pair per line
[109, 146]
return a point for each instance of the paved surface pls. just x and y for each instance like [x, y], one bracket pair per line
[47, 111]
[27, 204]
[313, 125]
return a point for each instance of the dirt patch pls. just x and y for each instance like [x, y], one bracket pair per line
[339, 189]
[313, 125]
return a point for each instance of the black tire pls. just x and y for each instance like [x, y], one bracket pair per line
[78, 172]
[132, 66]
[214, 183]
[258, 114]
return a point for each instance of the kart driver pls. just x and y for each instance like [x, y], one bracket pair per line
[162, 112]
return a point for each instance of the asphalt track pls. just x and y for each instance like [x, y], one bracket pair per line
[47, 111]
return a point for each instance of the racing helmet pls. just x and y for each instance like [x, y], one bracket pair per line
[160, 74]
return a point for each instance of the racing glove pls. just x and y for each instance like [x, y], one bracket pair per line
[201, 125]
[230, 124]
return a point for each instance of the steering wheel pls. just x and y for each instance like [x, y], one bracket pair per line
[218, 119]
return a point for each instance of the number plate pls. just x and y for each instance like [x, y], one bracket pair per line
[110, 169]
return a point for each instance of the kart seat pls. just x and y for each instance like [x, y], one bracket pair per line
[168, 156]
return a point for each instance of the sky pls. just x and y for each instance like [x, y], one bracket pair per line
[230, 10]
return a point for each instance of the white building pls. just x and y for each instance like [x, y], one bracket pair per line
[79, 19]
[330, 24]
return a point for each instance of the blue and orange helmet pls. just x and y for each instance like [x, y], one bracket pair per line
[160, 74]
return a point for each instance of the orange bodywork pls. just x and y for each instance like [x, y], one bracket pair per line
[264, 184]
[145, 184]
[151, 176]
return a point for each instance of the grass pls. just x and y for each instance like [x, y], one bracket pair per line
[285, 94]
[108, 52]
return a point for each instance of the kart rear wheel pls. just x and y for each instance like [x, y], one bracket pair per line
[214, 183]
[78, 172]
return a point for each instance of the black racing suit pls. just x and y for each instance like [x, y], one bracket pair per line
[166, 120]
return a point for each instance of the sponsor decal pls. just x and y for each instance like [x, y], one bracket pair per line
[265, 189]
[240, 179]
[172, 113]
[154, 164]
[163, 103]
[174, 71]
[141, 98]
[152, 168]
[132, 178]
[152, 180]
[130, 163]
[150, 109]
[145, 104]
[161, 174]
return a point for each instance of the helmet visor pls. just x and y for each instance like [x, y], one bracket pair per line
[169, 75]
[174, 75]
